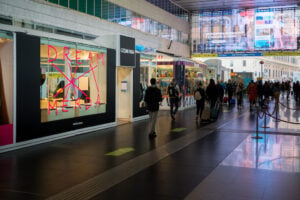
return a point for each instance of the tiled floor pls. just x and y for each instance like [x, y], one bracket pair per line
[199, 161]
[273, 152]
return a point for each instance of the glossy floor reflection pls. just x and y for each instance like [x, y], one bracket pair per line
[273, 152]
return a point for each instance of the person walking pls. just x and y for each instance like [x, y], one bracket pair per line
[239, 93]
[152, 99]
[199, 96]
[220, 92]
[252, 94]
[212, 93]
[230, 90]
[260, 93]
[276, 92]
[173, 92]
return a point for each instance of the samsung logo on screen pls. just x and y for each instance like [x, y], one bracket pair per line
[127, 51]
[77, 123]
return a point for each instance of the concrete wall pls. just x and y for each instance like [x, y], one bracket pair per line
[51, 14]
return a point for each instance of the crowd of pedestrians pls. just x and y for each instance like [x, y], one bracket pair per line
[210, 97]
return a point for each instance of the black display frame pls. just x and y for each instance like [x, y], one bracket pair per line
[127, 51]
[28, 112]
[137, 111]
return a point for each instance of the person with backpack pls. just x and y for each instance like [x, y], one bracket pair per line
[173, 92]
[199, 96]
[152, 99]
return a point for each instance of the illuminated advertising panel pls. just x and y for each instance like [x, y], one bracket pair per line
[289, 31]
[248, 29]
[264, 33]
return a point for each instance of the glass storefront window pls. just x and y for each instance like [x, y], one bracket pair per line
[193, 74]
[111, 12]
[82, 5]
[117, 14]
[6, 88]
[104, 9]
[90, 7]
[73, 4]
[63, 3]
[164, 75]
[146, 66]
[73, 80]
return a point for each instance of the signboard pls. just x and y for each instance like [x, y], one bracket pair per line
[247, 29]
[204, 55]
[124, 86]
[287, 53]
[281, 53]
[239, 54]
[127, 51]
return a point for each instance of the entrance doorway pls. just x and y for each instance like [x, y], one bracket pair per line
[124, 95]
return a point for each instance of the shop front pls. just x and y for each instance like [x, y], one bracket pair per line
[53, 88]
[187, 73]
[194, 73]
[64, 88]
[145, 69]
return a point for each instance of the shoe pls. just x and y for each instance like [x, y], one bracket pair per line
[173, 117]
[152, 135]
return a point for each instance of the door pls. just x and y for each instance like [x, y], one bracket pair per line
[124, 95]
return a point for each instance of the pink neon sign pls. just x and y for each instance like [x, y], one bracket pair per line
[71, 80]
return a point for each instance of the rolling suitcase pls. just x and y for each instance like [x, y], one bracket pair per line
[225, 99]
[206, 112]
[215, 111]
[232, 101]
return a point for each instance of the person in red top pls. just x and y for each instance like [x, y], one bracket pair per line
[252, 94]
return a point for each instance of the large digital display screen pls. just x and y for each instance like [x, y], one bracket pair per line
[247, 30]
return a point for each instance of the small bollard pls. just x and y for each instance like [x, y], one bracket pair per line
[265, 119]
[257, 137]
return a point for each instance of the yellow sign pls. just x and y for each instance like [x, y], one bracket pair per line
[120, 152]
[178, 130]
[204, 55]
[287, 53]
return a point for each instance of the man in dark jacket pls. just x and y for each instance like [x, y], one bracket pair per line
[212, 93]
[230, 90]
[173, 92]
[153, 98]
[220, 92]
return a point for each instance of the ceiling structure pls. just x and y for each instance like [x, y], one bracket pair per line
[194, 5]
